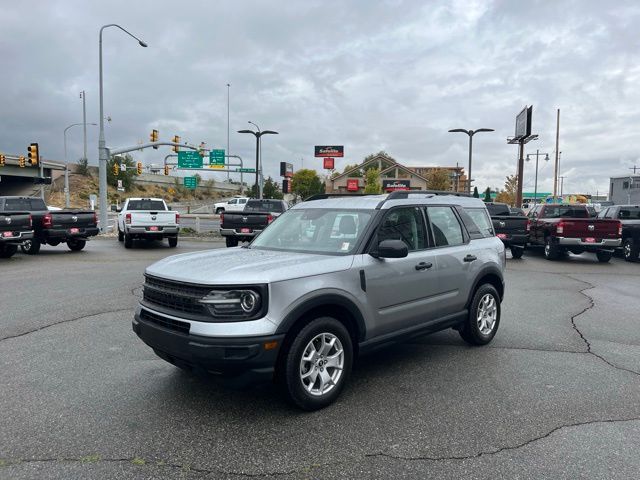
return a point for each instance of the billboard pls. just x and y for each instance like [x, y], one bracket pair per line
[328, 163]
[353, 185]
[523, 123]
[329, 151]
[286, 169]
[393, 185]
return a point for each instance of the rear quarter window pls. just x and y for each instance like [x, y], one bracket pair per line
[481, 220]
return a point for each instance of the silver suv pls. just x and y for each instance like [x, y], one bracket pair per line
[329, 279]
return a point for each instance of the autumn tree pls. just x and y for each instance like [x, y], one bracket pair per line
[508, 195]
[438, 179]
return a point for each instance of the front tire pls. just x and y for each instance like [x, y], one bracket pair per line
[31, 247]
[173, 242]
[317, 364]
[76, 245]
[603, 257]
[484, 316]
[8, 251]
[551, 250]
[631, 250]
[516, 252]
[231, 241]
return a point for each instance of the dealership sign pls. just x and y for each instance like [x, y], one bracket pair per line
[523, 123]
[329, 163]
[393, 185]
[329, 151]
[353, 185]
[286, 169]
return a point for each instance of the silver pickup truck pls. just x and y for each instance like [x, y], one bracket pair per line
[148, 219]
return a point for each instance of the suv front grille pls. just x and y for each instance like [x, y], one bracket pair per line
[174, 296]
[169, 323]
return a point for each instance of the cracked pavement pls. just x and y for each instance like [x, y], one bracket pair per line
[555, 395]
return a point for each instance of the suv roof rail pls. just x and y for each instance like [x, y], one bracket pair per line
[324, 196]
[400, 194]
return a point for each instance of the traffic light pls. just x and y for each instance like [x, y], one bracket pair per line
[154, 137]
[166, 169]
[34, 154]
[139, 168]
[21, 161]
[116, 169]
[176, 139]
[3, 160]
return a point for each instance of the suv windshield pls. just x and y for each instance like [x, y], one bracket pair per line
[145, 205]
[315, 231]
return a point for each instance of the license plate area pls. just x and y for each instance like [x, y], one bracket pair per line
[153, 229]
[502, 236]
[7, 234]
[74, 230]
[245, 230]
[590, 240]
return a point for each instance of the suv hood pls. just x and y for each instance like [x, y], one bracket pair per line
[244, 265]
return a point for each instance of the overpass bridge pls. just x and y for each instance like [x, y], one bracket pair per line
[27, 180]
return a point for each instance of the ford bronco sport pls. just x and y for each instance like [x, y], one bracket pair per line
[328, 280]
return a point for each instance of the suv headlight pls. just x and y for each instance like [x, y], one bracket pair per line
[236, 304]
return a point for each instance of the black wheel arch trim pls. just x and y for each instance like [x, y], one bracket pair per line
[329, 299]
[488, 270]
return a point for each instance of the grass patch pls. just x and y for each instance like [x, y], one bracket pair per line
[138, 461]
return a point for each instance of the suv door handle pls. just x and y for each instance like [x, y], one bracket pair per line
[424, 266]
[470, 258]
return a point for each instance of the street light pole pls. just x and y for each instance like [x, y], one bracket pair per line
[228, 104]
[102, 150]
[535, 188]
[84, 125]
[258, 136]
[471, 133]
[67, 201]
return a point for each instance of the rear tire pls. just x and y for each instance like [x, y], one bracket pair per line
[631, 250]
[31, 247]
[8, 251]
[603, 257]
[231, 241]
[76, 245]
[318, 360]
[219, 210]
[551, 250]
[483, 320]
[516, 252]
[120, 236]
[173, 242]
[128, 241]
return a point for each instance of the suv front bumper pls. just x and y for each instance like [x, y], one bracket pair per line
[238, 361]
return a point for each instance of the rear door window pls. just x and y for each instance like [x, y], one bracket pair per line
[629, 213]
[445, 226]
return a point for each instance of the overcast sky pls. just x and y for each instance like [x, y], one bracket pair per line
[369, 75]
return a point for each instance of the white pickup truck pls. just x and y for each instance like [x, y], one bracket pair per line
[149, 219]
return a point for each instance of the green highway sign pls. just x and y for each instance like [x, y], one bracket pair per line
[189, 159]
[246, 170]
[216, 159]
[190, 182]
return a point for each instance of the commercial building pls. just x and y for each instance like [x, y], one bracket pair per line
[624, 190]
[394, 176]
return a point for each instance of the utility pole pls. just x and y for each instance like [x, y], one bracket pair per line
[84, 125]
[634, 168]
[561, 177]
[555, 175]
[228, 104]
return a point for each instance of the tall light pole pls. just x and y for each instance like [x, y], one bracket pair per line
[83, 96]
[102, 150]
[471, 133]
[228, 104]
[66, 161]
[546, 159]
[258, 135]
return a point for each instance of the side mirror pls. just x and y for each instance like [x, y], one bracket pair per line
[392, 249]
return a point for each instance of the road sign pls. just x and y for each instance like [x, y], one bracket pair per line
[190, 182]
[246, 170]
[123, 167]
[189, 159]
[216, 159]
[120, 187]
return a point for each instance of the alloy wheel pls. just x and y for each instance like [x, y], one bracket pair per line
[487, 314]
[322, 364]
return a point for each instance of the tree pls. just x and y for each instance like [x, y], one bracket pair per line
[508, 195]
[372, 181]
[475, 192]
[83, 167]
[487, 195]
[271, 189]
[306, 182]
[438, 179]
[356, 174]
[128, 177]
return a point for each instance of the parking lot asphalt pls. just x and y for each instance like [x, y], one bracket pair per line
[555, 395]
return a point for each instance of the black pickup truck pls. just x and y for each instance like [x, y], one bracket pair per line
[512, 229]
[72, 227]
[629, 216]
[256, 216]
[15, 228]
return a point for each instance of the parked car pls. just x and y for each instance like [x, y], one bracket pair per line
[517, 211]
[629, 216]
[235, 204]
[242, 227]
[73, 227]
[330, 279]
[512, 229]
[147, 219]
[560, 228]
[15, 228]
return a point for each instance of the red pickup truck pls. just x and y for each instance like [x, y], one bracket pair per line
[562, 228]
